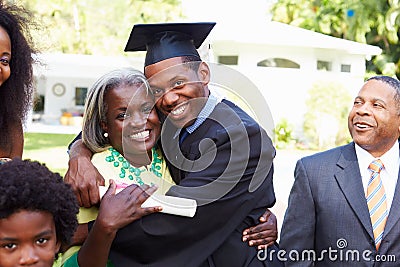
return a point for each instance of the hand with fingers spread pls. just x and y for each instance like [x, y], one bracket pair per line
[83, 176]
[116, 211]
[264, 234]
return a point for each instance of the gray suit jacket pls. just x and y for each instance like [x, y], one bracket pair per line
[327, 216]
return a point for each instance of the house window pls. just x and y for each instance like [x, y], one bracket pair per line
[345, 68]
[278, 63]
[80, 95]
[324, 65]
[228, 60]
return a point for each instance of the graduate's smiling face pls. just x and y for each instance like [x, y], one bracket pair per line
[179, 88]
[28, 238]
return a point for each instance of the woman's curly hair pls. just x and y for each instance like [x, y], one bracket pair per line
[16, 93]
[29, 185]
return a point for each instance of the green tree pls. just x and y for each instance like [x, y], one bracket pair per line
[374, 22]
[95, 26]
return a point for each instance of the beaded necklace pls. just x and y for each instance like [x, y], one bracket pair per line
[128, 170]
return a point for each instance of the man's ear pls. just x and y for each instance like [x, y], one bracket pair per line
[204, 73]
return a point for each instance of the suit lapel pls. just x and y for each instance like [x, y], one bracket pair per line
[349, 179]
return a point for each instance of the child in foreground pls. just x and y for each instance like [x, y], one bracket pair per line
[37, 214]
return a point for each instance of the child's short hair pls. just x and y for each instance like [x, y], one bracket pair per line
[28, 185]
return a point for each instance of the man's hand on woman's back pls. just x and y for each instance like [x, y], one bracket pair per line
[84, 178]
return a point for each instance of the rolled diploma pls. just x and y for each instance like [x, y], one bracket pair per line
[171, 205]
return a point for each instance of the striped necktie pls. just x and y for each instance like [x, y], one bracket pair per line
[376, 201]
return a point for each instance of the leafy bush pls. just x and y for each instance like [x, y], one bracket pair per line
[284, 134]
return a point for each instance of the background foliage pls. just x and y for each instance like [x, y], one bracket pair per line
[94, 26]
[284, 134]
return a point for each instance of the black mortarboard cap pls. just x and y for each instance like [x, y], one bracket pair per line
[168, 40]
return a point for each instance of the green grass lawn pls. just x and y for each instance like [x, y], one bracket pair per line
[50, 149]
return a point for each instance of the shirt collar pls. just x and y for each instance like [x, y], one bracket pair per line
[391, 159]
